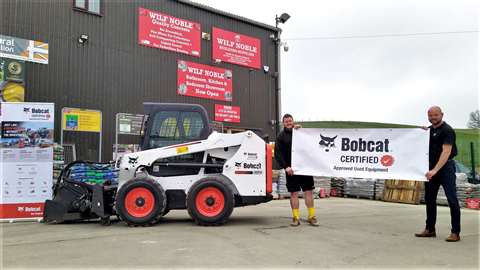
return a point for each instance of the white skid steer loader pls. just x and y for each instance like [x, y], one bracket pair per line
[185, 165]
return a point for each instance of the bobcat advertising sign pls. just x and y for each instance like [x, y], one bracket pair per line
[166, 32]
[197, 80]
[236, 48]
[23, 49]
[26, 158]
[363, 153]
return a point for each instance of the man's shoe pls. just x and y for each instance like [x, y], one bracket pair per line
[313, 222]
[453, 237]
[295, 222]
[426, 233]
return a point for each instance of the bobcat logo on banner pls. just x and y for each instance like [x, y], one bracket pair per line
[364, 153]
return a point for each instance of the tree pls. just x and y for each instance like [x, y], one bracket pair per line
[474, 121]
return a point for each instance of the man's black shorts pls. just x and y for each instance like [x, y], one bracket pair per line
[297, 182]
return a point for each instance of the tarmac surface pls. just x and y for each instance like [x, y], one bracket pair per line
[353, 233]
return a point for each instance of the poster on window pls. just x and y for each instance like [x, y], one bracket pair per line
[235, 48]
[162, 31]
[26, 158]
[224, 113]
[197, 80]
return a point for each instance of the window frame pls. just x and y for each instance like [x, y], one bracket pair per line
[86, 9]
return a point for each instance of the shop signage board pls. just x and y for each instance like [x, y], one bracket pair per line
[203, 81]
[236, 48]
[26, 159]
[23, 49]
[127, 124]
[82, 120]
[399, 153]
[163, 31]
[224, 113]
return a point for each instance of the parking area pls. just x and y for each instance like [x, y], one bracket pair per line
[353, 233]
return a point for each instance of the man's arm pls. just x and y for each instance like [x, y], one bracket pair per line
[446, 150]
[278, 154]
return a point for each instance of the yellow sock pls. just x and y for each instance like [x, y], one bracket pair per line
[311, 212]
[296, 213]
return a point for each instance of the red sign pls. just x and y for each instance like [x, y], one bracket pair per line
[235, 48]
[197, 80]
[21, 210]
[163, 31]
[225, 113]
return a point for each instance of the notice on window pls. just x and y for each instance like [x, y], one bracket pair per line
[162, 31]
[236, 48]
[204, 81]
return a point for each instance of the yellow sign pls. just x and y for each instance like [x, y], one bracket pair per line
[182, 149]
[81, 120]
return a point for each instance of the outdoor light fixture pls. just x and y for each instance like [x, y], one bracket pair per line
[282, 19]
[82, 39]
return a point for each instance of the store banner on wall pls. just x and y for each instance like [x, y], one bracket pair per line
[224, 113]
[23, 49]
[204, 81]
[162, 31]
[26, 158]
[363, 153]
[236, 48]
[12, 80]
[83, 120]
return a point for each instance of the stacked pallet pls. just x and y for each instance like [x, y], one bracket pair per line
[58, 161]
[467, 191]
[322, 186]
[379, 187]
[402, 191]
[359, 188]
[337, 187]
[282, 185]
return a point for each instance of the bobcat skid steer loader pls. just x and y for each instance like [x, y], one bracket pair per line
[185, 165]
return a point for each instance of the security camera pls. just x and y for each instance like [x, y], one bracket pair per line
[266, 69]
[285, 47]
[82, 39]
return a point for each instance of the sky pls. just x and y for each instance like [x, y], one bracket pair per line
[327, 75]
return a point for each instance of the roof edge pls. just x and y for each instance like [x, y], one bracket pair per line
[230, 15]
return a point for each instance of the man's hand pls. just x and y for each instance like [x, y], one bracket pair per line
[289, 171]
[297, 126]
[430, 174]
[424, 128]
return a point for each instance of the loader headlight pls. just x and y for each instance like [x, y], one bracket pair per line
[119, 162]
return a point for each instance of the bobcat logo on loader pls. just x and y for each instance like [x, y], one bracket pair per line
[327, 142]
[133, 160]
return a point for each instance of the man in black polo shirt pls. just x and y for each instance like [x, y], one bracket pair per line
[441, 172]
[295, 183]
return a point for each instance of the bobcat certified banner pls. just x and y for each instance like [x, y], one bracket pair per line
[166, 32]
[363, 153]
[26, 158]
[235, 48]
[204, 81]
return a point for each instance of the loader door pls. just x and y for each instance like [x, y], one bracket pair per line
[170, 124]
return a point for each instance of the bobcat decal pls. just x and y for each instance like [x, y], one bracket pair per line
[327, 142]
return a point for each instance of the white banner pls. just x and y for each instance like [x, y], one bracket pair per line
[26, 158]
[400, 153]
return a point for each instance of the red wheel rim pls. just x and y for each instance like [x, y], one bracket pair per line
[210, 201]
[139, 202]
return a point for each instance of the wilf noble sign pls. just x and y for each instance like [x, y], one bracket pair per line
[363, 153]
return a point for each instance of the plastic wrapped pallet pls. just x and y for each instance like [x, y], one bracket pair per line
[379, 187]
[358, 187]
[467, 191]
[322, 186]
[58, 161]
[93, 174]
[337, 187]
[282, 184]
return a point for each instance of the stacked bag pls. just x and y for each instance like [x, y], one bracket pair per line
[94, 173]
[337, 187]
[361, 188]
[58, 161]
[322, 186]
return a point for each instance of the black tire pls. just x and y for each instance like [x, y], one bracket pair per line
[220, 187]
[141, 202]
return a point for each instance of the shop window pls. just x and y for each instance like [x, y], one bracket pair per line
[90, 6]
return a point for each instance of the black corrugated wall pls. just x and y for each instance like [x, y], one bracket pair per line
[113, 73]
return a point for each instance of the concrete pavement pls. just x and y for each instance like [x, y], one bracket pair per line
[353, 233]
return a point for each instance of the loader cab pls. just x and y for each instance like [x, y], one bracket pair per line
[170, 123]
